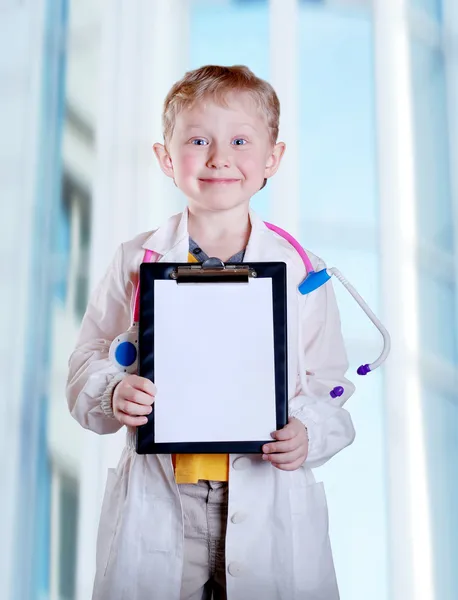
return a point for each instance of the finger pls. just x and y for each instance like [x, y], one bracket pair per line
[132, 408]
[138, 397]
[143, 384]
[285, 457]
[287, 433]
[290, 466]
[131, 421]
[286, 446]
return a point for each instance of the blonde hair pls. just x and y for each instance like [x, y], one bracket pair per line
[216, 82]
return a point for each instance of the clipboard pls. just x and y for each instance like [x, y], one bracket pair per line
[213, 338]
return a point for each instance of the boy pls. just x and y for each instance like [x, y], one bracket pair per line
[189, 526]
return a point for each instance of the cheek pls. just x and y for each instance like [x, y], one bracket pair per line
[252, 165]
[187, 164]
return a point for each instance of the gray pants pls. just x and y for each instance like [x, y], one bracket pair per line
[205, 520]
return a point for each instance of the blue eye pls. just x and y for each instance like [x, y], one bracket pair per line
[199, 142]
[239, 142]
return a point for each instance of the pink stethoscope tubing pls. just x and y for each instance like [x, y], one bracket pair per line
[320, 277]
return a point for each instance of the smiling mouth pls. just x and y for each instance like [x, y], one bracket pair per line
[219, 180]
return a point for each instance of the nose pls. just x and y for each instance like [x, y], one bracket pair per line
[218, 158]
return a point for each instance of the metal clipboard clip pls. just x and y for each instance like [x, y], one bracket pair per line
[213, 270]
[123, 351]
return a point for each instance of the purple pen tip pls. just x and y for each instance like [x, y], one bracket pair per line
[364, 370]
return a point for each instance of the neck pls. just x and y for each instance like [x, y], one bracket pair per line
[217, 225]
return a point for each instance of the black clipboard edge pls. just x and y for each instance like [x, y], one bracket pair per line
[202, 447]
[149, 272]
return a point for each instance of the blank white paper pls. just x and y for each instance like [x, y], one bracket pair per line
[214, 361]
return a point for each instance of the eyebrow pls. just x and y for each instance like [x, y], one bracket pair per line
[246, 125]
[202, 126]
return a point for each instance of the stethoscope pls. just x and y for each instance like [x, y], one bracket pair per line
[123, 350]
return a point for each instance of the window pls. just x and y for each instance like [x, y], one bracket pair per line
[434, 207]
[437, 291]
[64, 529]
[73, 246]
[432, 7]
[228, 34]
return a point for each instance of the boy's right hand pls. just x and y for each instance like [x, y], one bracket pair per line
[132, 400]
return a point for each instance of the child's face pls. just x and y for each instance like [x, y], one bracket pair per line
[220, 155]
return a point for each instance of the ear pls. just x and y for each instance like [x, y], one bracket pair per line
[164, 160]
[274, 159]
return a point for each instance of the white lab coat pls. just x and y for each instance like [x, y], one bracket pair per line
[277, 544]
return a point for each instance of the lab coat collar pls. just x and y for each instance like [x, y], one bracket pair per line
[175, 232]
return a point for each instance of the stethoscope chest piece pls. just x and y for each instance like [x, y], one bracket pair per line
[123, 350]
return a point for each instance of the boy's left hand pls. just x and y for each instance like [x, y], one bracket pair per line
[290, 450]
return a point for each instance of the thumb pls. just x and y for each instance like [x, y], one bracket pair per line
[284, 434]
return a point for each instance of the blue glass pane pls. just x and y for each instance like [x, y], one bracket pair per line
[231, 34]
[248, 1]
[338, 187]
[62, 251]
[431, 148]
[438, 335]
[437, 298]
[339, 212]
[432, 7]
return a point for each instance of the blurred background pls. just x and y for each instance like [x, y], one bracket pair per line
[369, 93]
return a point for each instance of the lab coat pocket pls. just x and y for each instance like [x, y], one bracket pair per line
[157, 533]
[313, 565]
[307, 498]
[109, 520]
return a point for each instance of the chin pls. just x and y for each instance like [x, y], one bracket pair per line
[219, 202]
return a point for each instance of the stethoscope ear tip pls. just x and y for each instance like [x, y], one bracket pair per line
[337, 392]
[364, 370]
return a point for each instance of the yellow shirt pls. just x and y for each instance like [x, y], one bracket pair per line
[189, 468]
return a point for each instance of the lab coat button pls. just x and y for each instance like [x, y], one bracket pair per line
[238, 517]
[235, 569]
[241, 463]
